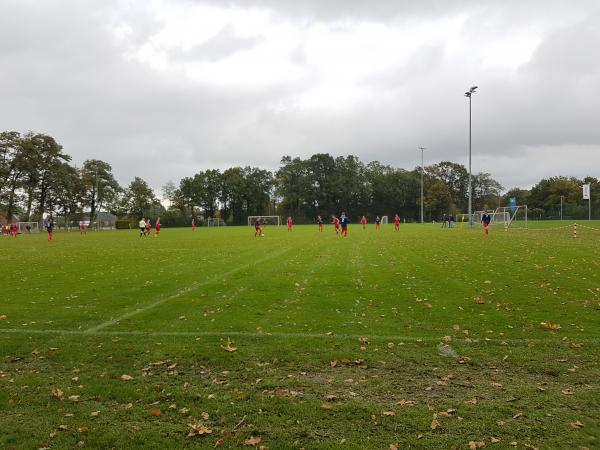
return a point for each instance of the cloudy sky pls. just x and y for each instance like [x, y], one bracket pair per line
[162, 89]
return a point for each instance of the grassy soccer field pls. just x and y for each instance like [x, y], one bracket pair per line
[423, 338]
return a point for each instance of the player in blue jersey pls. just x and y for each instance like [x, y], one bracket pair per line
[344, 223]
[485, 220]
[50, 229]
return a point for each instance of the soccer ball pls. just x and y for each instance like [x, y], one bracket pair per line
[262, 235]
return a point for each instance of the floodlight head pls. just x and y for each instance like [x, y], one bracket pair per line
[467, 94]
[472, 89]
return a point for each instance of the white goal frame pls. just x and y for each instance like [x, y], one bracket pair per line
[22, 227]
[385, 220]
[270, 220]
[215, 222]
[504, 215]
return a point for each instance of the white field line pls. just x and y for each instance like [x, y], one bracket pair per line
[266, 335]
[182, 292]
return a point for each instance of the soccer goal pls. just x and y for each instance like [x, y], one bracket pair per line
[265, 220]
[384, 220]
[215, 222]
[28, 227]
[505, 216]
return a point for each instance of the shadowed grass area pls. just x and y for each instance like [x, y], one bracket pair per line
[423, 338]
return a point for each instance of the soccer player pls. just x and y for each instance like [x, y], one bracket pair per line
[364, 222]
[82, 229]
[50, 229]
[193, 224]
[13, 229]
[320, 223]
[397, 222]
[336, 225]
[257, 228]
[485, 220]
[289, 223]
[157, 227]
[344, 223]
[142, 225]
[377, 223]
[148, 227]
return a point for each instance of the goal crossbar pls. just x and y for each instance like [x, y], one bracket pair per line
[267, 220]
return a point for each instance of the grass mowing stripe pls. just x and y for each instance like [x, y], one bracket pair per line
[277, 334]
[184, 291]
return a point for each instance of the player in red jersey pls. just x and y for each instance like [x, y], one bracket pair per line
[363, 221]
[289, 223]
[148, 227]
[336, 225]
[193, 224]
[157, 227]
[397, 222]
[82, 229]
[13, 229]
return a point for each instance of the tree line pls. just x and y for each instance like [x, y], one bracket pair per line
[37, 178]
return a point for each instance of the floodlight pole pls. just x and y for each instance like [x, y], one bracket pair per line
[561, 203]
[469, 94]
[422, 170]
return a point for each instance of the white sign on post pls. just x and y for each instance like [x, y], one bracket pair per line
[586, 191]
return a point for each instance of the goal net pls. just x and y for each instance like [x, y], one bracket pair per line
[28, 227]
[215, 222]
[265, 220]
[505, 216]
[384, 220]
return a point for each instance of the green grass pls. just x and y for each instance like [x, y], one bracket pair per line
[82, 311]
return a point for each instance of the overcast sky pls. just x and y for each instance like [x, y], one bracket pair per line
[163, 89]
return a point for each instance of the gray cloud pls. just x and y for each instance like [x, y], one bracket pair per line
[66, 73]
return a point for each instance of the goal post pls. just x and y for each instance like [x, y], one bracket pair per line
[384, 220]
[505, 216]
[28, 227]
[216, 222]
[265, 220]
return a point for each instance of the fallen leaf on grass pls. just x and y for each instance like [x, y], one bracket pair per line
[326, 406]
[95, 413]
[184, 410]
[567, 392]
[474, 445]
[83, 429]
[73, 398]
[471, 402]
[2, 317]
[57, 393]
[393, 447]
[456, 327]
[155, 412]
[205, 415]
[406, 403]
[126, 377]
[389, 413]
[494, 440]
[228, 347]
[434, 423]
[219, 443]
[577, 425]
[198, 429]
[252, 440]
[550, 325]
[363, 340]
[531, 447]
[479, 301]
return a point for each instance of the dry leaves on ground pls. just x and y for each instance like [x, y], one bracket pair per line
[228, 347]
[252, 440]
[126, 377]
[198, 429]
